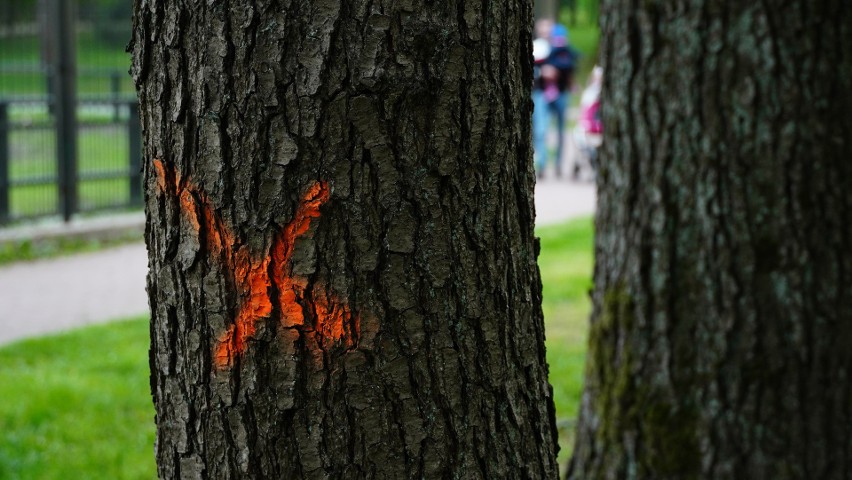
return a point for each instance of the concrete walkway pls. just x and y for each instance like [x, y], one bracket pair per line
[57, 294]
[48, 296]
[557, 201]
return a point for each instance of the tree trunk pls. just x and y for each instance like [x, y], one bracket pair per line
[547, 9]
[343, 277]
[722, 323]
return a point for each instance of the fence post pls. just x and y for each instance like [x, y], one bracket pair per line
[62, 17]
[134, 135]
[115, 84]
[4, 163]
[48, 51]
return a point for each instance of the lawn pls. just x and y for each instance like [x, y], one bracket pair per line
[97, 63]
[12, 251]
[77, 405]
[566, 264]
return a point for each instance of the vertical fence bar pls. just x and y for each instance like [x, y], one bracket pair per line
[48, 51]
[115, 85]
[4, 163]
[134, 132]
[63, 16]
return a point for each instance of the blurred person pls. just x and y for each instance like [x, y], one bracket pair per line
[553, 79]
[589, 129]
[543, 28]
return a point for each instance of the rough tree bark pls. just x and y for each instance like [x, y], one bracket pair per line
[722, 323]
[343, 277]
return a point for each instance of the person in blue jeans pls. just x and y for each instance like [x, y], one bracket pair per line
[551, 95]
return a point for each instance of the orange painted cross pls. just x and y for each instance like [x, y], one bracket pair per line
[266, 281]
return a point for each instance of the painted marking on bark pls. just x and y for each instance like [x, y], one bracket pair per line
[254, 276]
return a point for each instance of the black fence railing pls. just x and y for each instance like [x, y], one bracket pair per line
[69, 127]
[108, 160]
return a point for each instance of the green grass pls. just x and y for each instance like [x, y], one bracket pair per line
[95, 62]
[89, 84]
[584, 35]
[77, 405]
[585, 38]
[585, 12]
[27, 250]
[566, 264]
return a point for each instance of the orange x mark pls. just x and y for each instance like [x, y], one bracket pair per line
[266, 282]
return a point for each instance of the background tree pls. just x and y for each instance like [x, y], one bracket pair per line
[722, 305]
[547, 9]
[340, 229]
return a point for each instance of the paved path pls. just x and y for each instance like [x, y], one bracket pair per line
[556, 201]
[53, 295]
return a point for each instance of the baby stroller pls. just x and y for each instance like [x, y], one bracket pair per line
[588, 131]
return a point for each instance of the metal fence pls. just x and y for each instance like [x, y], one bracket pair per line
[69, 125]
